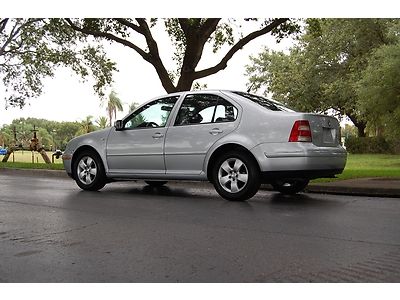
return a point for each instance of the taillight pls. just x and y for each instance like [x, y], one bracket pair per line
[301, 132]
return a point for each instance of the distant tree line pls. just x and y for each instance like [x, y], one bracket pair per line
[52, 134]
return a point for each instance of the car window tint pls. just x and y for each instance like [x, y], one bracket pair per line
[268, 104]
[196, 109]
[153, 114]
[205, 108]
[225, 112]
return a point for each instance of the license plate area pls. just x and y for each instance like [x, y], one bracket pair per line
[329, 135]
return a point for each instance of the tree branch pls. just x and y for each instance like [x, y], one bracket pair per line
[110, 36]
[131, 25]
[155, 59]
[239, 45]
[3, 24]
[184, 25]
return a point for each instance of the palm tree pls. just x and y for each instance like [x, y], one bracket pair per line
[102, 122]
[86, 125]
[114, 104]
[133, 106]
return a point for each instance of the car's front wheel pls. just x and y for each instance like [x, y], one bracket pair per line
[89, 171]
[236, 176]
[290, 186]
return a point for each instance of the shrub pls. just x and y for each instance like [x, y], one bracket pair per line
[370, 145]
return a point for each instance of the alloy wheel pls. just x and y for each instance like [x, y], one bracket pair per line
[233, 175]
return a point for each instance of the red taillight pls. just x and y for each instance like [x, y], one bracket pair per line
[301, 132]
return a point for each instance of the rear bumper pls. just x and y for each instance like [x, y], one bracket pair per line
[300, 160]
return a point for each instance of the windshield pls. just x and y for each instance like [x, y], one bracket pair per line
[264, 102]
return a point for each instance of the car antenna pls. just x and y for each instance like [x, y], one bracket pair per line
[250, 87]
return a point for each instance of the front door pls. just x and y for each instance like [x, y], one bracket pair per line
[138, 148]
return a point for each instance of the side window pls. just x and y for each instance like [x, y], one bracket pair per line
[153, 114]
[225, 112]
[205, 108]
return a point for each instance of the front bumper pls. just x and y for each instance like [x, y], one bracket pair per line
[67, 161]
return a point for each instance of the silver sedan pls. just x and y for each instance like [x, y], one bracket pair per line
[235, 140]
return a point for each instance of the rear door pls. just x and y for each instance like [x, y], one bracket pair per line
[202, 120]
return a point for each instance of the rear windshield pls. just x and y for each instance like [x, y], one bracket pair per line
[268, 104]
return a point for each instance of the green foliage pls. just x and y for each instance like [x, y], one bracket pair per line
[379, 89]
[49, 132]
[363, 145]
[102, 122]
[31, 49]
[323, 69]
[133, 106]
[86, 126]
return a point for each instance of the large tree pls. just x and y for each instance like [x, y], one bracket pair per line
[379, 90]
[188, 36]
[322, 70]
[31, 49]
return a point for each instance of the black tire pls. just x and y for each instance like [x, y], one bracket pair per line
[245, 190]
[96, 181]
[155, 183]
[290, 186]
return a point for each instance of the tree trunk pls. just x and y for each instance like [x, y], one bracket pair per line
[360, 125]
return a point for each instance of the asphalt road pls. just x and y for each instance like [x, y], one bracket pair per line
[50, 231]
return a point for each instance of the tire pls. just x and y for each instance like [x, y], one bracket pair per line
[155, 183]
[229, 178]
[88, 171]
[290, 186]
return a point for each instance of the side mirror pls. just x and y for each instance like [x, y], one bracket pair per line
[118, 125]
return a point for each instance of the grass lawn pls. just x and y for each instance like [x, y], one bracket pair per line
[23, 160]
[358, 165]
[368, 165]
[27, 165]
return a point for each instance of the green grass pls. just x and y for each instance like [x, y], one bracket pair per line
[23, 160]
[368, 165]
[27, 165]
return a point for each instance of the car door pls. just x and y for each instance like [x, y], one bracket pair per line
[202, 119]
[138, 148]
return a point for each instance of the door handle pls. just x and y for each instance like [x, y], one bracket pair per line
[158, 135]
[215, 131]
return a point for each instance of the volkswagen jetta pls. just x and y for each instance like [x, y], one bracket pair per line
[233, 139]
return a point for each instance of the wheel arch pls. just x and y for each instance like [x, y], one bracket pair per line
[80, 150]
[225, 148]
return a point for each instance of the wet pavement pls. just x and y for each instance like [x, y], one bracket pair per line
[50, 231]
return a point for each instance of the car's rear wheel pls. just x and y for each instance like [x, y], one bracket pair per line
[290, 186]
[236, 176]
[155, 183]
[89, 171]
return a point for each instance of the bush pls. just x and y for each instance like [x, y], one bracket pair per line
[370, 145]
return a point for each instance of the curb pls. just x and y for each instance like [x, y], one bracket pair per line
[353, 191]
[35, 172]
[312, 188]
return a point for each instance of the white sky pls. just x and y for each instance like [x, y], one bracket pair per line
[66, 98]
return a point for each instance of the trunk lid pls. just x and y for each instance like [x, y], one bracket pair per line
[325, 130]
